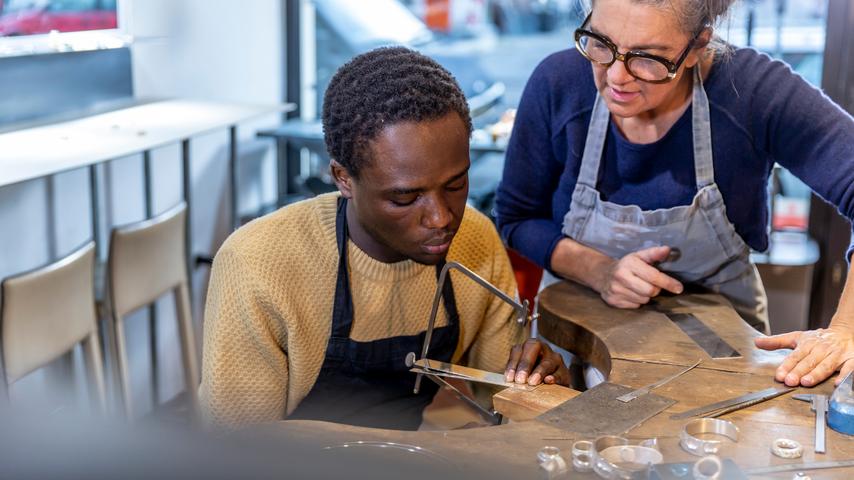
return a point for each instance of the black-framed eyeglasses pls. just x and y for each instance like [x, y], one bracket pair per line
[644, 66]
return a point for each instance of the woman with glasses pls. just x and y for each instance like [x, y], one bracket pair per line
[639, 163]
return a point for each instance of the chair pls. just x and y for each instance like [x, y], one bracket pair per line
[46, 312]
[147, 260]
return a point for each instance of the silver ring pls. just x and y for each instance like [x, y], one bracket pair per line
[702, 447]
[785, 448]
[582, 456]
[708, 468]
[613, 458]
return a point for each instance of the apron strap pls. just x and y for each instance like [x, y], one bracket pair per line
[342, 309]
[595, 143]
[701, 126]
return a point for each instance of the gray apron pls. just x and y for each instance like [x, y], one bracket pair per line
[713, 255]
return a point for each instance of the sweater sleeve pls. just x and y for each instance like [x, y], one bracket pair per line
[498, 331]
[244, 369]
[523, 204]
[806, 132]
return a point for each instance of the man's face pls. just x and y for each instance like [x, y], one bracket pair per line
[410, 196]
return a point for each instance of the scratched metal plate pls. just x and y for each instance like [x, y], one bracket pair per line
[597, 411]
[703, 336]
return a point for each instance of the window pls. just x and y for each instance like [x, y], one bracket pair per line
[36, 17]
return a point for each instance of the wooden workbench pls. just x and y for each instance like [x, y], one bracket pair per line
[634, 348]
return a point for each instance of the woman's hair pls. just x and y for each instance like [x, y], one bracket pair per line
[692, 15]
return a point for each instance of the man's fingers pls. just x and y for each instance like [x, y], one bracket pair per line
[530, 354]
[775, 342]
[547, 366]
[510, 371]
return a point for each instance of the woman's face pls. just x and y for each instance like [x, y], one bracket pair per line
[635, 26]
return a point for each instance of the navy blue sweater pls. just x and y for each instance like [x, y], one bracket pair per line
[761, 112]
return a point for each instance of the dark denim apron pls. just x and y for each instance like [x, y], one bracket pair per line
[368, 383]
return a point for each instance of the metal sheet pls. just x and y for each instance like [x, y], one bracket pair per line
[684, 471]
[703, 336]
[451, 370]
[597, 411]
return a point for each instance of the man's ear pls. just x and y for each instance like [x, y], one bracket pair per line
[343, 179]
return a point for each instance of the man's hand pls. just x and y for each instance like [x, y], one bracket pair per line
[818, 354]
[633, 280]
[533, 362]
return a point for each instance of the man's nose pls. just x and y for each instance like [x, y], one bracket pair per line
[437, 213]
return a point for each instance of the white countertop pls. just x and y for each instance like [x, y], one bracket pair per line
[46, 150]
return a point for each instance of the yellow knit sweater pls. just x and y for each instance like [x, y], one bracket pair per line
[269, 307]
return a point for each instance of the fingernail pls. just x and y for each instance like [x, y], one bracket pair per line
[521, 377]
[807, 380]
[535, 379]
[791, 379]
[509, 375]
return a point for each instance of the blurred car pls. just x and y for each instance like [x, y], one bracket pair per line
[33, 17]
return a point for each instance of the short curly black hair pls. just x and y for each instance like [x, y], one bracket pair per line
[380, 88]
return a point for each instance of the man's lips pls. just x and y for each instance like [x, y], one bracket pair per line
[438, 245]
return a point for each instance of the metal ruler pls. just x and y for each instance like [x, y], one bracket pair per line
[644, 390]
[732, 404]
[791, 467]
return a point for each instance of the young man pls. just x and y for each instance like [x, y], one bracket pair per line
[312, 309]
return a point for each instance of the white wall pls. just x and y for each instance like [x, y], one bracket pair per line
[203, 49]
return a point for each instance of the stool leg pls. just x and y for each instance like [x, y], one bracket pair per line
[122, 366]
[94, 367]
[188, 347]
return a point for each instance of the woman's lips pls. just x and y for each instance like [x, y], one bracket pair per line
[621, 96]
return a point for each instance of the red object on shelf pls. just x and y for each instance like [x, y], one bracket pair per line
[528, 275]
[438, 15]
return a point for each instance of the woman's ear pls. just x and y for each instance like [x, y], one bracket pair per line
[698, 51]
[704, 38]
[343, 179]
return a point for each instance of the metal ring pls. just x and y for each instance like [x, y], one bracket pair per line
[708, 468]
[582, 456]
[613, 458]
[550, 460]
[701, 447]
[785, 448]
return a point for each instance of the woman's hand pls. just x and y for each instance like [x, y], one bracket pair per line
[633, 280]
[818, 354]
[534, 362]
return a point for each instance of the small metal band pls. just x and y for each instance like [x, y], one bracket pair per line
[582, 456]
[708, 468]
[607, 468]
[785, 448]
[701, 447]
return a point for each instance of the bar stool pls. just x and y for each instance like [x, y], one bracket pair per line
[147, 260]
[46, 312]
